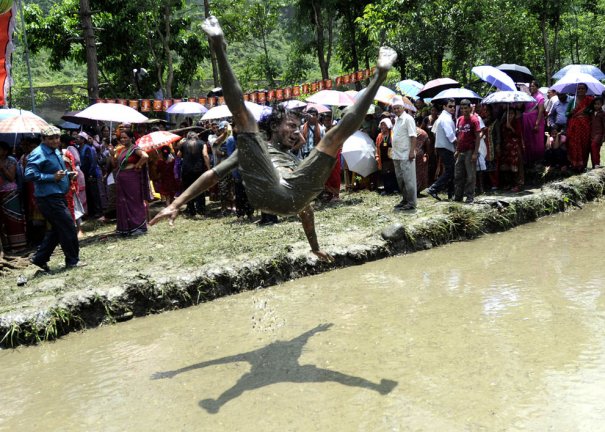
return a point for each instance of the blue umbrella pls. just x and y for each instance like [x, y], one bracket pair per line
[409, 87]
[583, 68]
[495, 77]
[69, 126]
[457, 94]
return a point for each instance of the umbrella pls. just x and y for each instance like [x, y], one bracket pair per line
[507, 96]
[359, 152]
[351, 93]
[112, 112]
[409, 87]
[320, 108]
[516, 72]
[190, 108]
[13, 112]
[582, 68]
[22, 124]
[383, 94]
[155, 140]
[293, 104]
[569, 83]
[331, 97]
[222, 111]
[69, 126]
[433, 87]
[495, 77]
[70, 116]
[458, 94]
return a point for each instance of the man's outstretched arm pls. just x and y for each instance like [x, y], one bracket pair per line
[234, 97]
[336, 136]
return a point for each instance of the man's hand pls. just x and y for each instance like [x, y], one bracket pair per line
[59, 175]
[169, 212]
[323, 256]
[386, 58]
[412, 155]
[212, 27]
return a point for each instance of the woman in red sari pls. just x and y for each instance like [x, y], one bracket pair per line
[578, 130]
[511, 156]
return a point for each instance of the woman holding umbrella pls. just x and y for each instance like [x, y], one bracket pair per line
[578, 129]
[132, 186]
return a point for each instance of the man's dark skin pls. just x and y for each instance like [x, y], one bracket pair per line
[284, 136]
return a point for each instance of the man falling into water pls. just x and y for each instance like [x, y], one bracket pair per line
[275, 181]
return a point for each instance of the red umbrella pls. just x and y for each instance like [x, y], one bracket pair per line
[432, 88]
[157, 139]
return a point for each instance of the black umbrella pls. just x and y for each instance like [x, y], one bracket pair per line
[71, 117]
[434, 87]
[516, 72]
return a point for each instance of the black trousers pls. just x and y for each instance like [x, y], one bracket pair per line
[446, 180]
[62, 230]
[198, 204]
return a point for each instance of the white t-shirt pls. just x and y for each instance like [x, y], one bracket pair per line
[403, 130]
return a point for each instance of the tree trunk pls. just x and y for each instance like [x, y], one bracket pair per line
[324, 64]
[547, 59]
[91, 50]
[215, 77]
[167, 50]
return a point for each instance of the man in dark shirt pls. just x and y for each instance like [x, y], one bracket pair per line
[46, 168]
[196, 161]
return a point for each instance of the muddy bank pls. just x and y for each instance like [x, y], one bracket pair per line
[54, 311]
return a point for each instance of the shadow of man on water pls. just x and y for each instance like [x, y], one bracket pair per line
[275, 363]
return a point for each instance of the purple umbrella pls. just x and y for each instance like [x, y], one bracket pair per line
[435, 86]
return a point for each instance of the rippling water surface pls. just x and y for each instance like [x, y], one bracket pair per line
[503, 333]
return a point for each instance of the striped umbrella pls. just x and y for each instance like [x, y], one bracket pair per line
[23, 124]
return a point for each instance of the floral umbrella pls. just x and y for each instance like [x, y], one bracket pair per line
[508, 97]
[155, 140]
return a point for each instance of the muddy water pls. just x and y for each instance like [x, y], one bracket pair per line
[503, 333]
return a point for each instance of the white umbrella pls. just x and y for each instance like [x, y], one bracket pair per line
[569, 83]
[222, 111]
[359, 152]
[495, 77]
[508, 97]
[384, 94]
[112, 112]
[191, 108]
[13, 112]
[582, 68]
[293, 104]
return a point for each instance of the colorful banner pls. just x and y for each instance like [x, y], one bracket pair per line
[7, 28]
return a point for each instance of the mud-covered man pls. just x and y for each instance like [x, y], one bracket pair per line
[275, 181]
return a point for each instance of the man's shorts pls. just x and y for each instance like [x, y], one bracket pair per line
[268, 189]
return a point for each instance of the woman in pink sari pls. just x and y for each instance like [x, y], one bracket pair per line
[533, 126]
[132, 187]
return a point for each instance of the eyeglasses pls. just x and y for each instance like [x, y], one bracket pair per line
[451, 106]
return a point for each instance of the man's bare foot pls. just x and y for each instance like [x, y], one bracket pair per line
[386, 58]
[212, 27]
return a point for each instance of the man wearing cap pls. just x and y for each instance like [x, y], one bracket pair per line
[46, 168]
[404, 155]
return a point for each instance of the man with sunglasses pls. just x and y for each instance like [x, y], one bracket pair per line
[46, 168]
[444, 129]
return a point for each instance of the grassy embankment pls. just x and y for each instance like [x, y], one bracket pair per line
[204, 258]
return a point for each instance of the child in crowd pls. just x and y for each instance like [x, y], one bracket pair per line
[555, 155]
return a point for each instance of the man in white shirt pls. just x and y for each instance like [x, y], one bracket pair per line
[404, 155]
[445, 144]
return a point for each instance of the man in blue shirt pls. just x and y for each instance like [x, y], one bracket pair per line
[46, 168]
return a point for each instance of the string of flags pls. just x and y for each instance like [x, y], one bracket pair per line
[259, 96]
